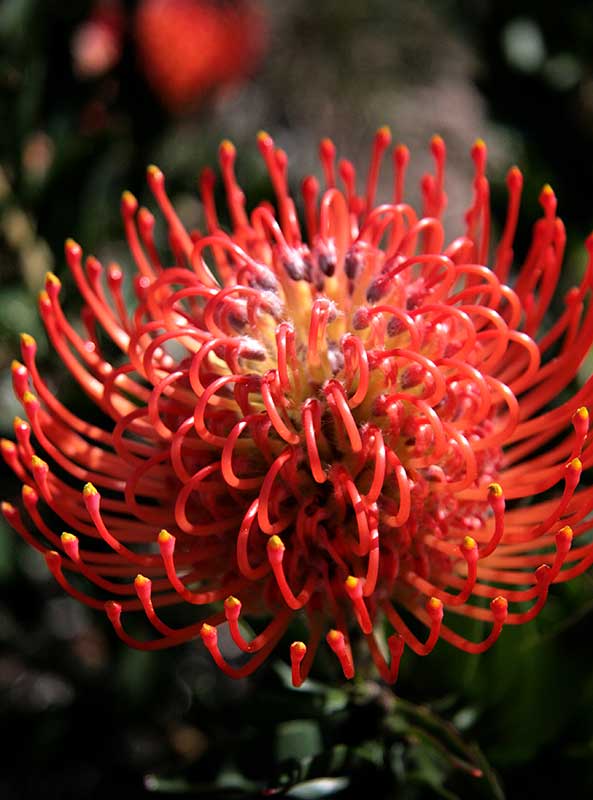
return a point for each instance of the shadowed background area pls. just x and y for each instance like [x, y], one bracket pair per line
[92, 92]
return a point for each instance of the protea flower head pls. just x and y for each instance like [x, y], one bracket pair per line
[320, 421]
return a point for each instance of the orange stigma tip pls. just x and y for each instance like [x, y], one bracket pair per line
[232, 602]
[480, 143]
[113, 610]
[208, 632]
[547, 189]
[164, 537]
[499, 607]
[38, 463]
[566, 532]
[469, 543]
[89, 490]
[275, 543]
[16, 365]
[27, 339]
[129, 202]
[153, 171]
[576, 464]
[298, 649]
[335, 636]
[495, 489]
[385, 133]
[582, 412]
[28, 491]
[514, 178]
[68, 538]
[6, 444]
[71, 243]
[29, 397]
[227, 146]
[50, 277]
[351, 582]
[264, 139]
[434, 605]
[141, 580]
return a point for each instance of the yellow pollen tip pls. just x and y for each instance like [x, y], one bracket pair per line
[28, 490]
[261, 135]
[50, 277]
[16, 365]
[89, 490]
[232, 602]
[207, 630]
[43, 297]
[547, 189]
[71, 243]
[351, 582]
[275, 543]
[128, 197]
[384, 130]
[164, 537]
[37, 462]
[27, 339]
[435, 603]
[7, 507]
[334, 635]
[153, 170]
[469, 543]
[495, 489]
[567, 532]
[68, 538]
[583, 412]
[141, 580]
[226, 144]
[575, 464]
[6, 444]
[18, 421]
[479, 143]
[29, 397]
[298, 648]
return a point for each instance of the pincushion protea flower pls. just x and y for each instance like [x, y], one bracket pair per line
[324, 424]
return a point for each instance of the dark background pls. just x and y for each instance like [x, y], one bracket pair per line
[80, 714]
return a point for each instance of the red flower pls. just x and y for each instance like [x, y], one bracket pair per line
[325, 425]
[189, 48]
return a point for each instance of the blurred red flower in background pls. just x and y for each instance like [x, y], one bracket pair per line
[324, 425]
[189, 48]
[96, 43]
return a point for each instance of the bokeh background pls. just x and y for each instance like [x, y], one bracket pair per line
[91, 92]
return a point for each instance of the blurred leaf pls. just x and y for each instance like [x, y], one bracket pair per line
[299, 739]
[317, 788]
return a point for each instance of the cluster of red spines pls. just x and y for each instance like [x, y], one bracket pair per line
[326, 425]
